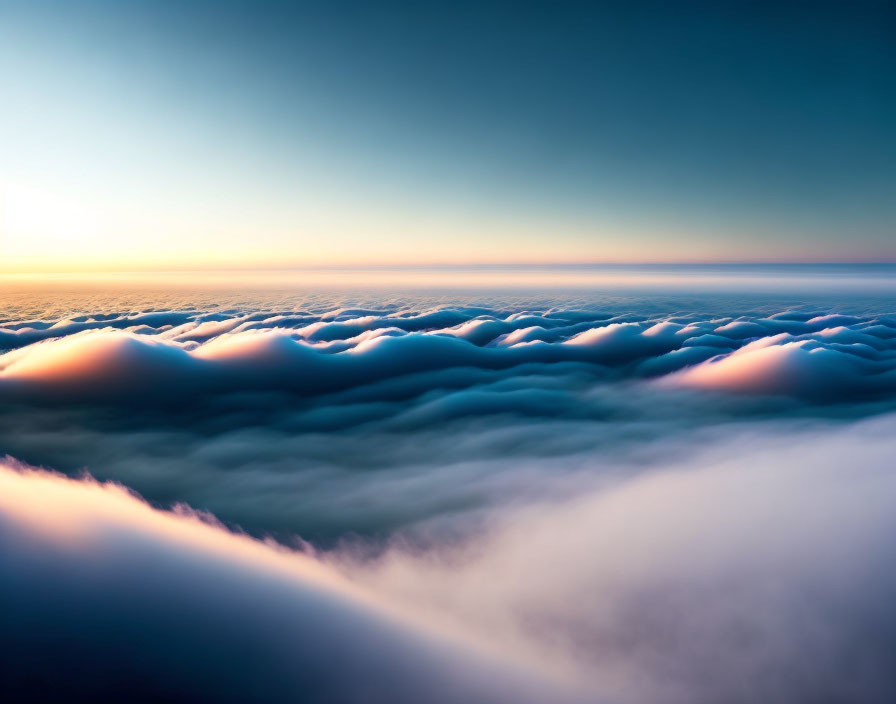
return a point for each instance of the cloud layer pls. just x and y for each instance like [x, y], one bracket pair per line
[330, 421]
[166, 355]
[756, 568]
[517, 501]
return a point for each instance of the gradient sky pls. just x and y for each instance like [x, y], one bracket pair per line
[229, 134]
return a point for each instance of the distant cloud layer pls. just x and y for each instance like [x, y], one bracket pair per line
[162, 355]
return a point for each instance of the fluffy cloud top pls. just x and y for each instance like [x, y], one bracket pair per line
[166, 354]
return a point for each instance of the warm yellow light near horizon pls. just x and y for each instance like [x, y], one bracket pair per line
[53, 230]
[60, 228]
[45, 229]
[70, 230]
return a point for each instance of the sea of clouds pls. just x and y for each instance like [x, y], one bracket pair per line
[423, 498]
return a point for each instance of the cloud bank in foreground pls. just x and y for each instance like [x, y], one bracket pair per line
[757, 569]
[107, 599]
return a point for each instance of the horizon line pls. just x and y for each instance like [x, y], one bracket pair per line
[438, 266]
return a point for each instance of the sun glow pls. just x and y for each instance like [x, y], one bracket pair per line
[43, 229]
[32, 218]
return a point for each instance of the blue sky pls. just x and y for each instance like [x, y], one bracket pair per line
[212, 134]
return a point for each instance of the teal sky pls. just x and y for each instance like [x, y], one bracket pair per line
[226, 134]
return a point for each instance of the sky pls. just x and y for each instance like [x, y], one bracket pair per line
[181, 135]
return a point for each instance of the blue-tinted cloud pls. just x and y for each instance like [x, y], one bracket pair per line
[107, 599]
[163, 355]
[752, 565]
